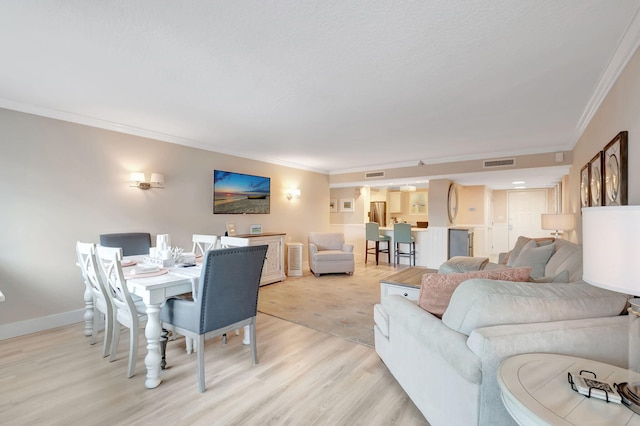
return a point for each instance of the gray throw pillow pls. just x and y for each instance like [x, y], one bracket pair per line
[535, 257]
[521, 242]
[517, 248]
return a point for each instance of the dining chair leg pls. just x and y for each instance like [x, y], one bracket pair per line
[254, 345]
[106, 343]
[133, 349]
[114, 342]
[94, 330]
[189, 344]
[200, 363]
[164, 339]
[377, 251]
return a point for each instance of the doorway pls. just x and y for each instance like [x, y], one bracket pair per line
[524, 209]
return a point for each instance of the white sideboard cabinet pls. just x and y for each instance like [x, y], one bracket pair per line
[273, 269]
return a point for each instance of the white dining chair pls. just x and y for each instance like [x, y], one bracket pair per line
[228, 242]
[101, 302]
[203, 243]
[127, 311]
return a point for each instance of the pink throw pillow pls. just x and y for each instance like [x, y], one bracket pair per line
[436, 289]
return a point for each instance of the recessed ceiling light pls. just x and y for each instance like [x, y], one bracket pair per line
[518, 182]
[521, 187]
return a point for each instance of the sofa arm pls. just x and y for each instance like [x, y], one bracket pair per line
[601, 339]
[405, 316]
[598, 339]
[347, 248]
[482, 302]
[313, 249]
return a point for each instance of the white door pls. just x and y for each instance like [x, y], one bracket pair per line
[525, 209]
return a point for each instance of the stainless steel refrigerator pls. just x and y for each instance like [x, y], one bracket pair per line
[378, 212]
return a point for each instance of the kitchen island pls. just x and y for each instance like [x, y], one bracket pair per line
[420, 236]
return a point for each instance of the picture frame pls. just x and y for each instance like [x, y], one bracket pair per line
[596, 189]
[585, 194]
[231, 229]
[255, 229]
[333, 205]
[418, 202]
[614, 165]
[347, 205]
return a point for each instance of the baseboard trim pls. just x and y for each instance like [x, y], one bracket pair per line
[20, 328]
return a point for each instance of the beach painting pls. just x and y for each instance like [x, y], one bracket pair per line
[239, 193]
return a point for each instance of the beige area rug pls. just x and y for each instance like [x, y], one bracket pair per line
[337, 304]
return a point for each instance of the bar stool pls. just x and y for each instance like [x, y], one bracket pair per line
[402, 235]
[373, 234]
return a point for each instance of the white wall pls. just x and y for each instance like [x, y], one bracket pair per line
[619, 111]
[62, 182]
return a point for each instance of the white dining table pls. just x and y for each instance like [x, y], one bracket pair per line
[154, 291]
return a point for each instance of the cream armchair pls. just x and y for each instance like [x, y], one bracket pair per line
[328, 253]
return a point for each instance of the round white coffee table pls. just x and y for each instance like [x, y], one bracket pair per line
[535, 391]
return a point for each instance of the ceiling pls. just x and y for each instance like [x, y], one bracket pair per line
[327, 85]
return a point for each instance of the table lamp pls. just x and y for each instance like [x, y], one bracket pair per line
[610, 252]
[558, 222]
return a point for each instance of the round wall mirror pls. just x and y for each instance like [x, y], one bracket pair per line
[452, 202]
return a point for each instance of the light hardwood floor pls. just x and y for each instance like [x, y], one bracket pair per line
[304, 377]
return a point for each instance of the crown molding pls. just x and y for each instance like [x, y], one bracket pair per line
[624, 52]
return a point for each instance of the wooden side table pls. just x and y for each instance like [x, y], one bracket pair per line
[535, 391]
[405, 283]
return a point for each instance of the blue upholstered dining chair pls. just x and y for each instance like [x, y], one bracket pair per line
[227, 299]
[372, 231]
[132, 243]
[402, 235]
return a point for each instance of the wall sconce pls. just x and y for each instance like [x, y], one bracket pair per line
[138, 181]
[293, 193]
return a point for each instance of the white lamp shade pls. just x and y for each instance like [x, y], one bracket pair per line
[611, 247]
[137, 177]
[157, 178]
[559, 222]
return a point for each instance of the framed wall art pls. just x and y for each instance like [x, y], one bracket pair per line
[418, 202]
[585, 195]
[595, 180]
[615, 171]
[333, 205]
[346, 205]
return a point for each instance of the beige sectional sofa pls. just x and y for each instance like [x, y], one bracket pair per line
[448, 366]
